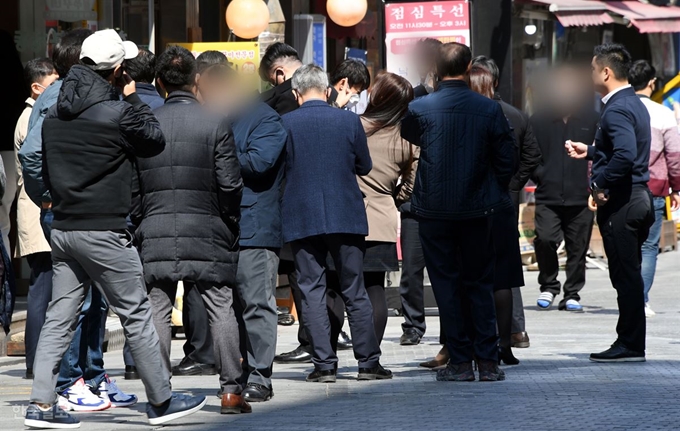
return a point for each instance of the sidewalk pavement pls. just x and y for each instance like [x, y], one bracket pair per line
[554, 388]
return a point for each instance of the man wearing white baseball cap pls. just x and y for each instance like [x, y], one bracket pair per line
[91, 139]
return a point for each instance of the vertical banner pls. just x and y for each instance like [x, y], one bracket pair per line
[243, 56]
[407, 23]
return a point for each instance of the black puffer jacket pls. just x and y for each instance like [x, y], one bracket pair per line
[191, 197]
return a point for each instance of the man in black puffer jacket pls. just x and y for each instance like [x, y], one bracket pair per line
[191, 198]
[91, 139]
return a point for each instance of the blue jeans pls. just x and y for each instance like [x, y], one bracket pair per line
[650, 248]
[84, 357]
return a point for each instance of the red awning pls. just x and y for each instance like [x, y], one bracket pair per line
[583, 19]
[646, 17]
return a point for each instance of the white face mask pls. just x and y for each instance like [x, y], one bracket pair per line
[354, 100]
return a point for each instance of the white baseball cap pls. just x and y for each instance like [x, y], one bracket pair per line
[106, 50]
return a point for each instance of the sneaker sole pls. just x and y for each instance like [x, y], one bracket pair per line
[607, 361]
[126, 404]
[325, 379]
[364, 377]
[36, 424]
[172, 417]
[75, 408]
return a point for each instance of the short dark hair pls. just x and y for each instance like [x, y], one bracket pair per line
[37, 69]
[640, 74]
[490, 65]
[355, 71]
[454, 59]
[176, 68]
[143, 67]
[427, 49]
[66, 53]
[210, 58]
[276, 52]
[614, 56]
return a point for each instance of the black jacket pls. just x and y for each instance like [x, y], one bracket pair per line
[280, 98]
[466, 157]
[561, 180]
[527, 152]
[622, 144]
[90, 142]
[191, 194]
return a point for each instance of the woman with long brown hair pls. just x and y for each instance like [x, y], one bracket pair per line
[509, 272]
[389, 181]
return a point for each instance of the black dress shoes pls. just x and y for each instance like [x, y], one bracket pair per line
[299, 355]
[322, 376]
[375, 373]
[131, 373]
[410, 337]
[344, 342]
[254, 393]
[29, 374]
[618, 353]
[190, 368]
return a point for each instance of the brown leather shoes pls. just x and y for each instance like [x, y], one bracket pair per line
[234, 404]
[439, 361]
[520, 340]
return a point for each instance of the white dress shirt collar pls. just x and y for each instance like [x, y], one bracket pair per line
[606, 98]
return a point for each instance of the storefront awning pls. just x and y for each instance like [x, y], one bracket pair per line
[583, 19]
[647, 17]
[577, 13]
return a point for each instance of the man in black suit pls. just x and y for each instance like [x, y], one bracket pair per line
[279, 63]
[619, 188]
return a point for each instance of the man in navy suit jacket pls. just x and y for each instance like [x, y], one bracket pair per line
[323, 212]
[619, 187]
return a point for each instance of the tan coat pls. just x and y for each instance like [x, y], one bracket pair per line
[30, 236]
[393, 161]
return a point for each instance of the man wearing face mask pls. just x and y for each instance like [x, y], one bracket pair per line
[348, 80]
[279, 63]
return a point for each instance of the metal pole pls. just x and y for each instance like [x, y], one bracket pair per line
[152, 26]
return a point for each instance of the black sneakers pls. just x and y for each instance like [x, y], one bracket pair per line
[322, 376]
[54, 418]
[618, 353]
[456, 373]
[176, 407]
[489, 371]
[375, 373]
[410, 337]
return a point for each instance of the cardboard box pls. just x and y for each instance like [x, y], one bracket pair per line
[527, 228]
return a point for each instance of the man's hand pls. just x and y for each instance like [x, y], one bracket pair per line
[600, 197]
[126, 84]
[675, 201]
[591, 204]
[576, 150]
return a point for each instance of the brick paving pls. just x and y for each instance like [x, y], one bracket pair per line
[554, 388]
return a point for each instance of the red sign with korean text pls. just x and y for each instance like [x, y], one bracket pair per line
[407, 23]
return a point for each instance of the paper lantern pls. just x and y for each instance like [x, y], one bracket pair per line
[247, 18]
[346, 13]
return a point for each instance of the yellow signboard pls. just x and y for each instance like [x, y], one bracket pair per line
[243, 56]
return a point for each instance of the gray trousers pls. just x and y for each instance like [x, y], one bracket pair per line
[109, 260]
[222, 318]
[256, 286]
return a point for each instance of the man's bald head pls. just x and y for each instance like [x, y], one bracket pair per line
[454, 60]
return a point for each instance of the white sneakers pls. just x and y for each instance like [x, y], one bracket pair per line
[108, 390]
[648, 311]
[81, 398]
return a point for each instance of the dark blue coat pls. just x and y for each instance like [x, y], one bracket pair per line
[149, 95]
[621, 151]
[467, 153]
[326, 150]
[260, 142]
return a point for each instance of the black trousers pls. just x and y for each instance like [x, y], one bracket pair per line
[574, 225]
[624, 223]
[347, 252]
[460, 262]
[199, 344]
[334, 305]
[411, 288]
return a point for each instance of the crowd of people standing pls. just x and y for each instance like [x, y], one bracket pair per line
[123, 193]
